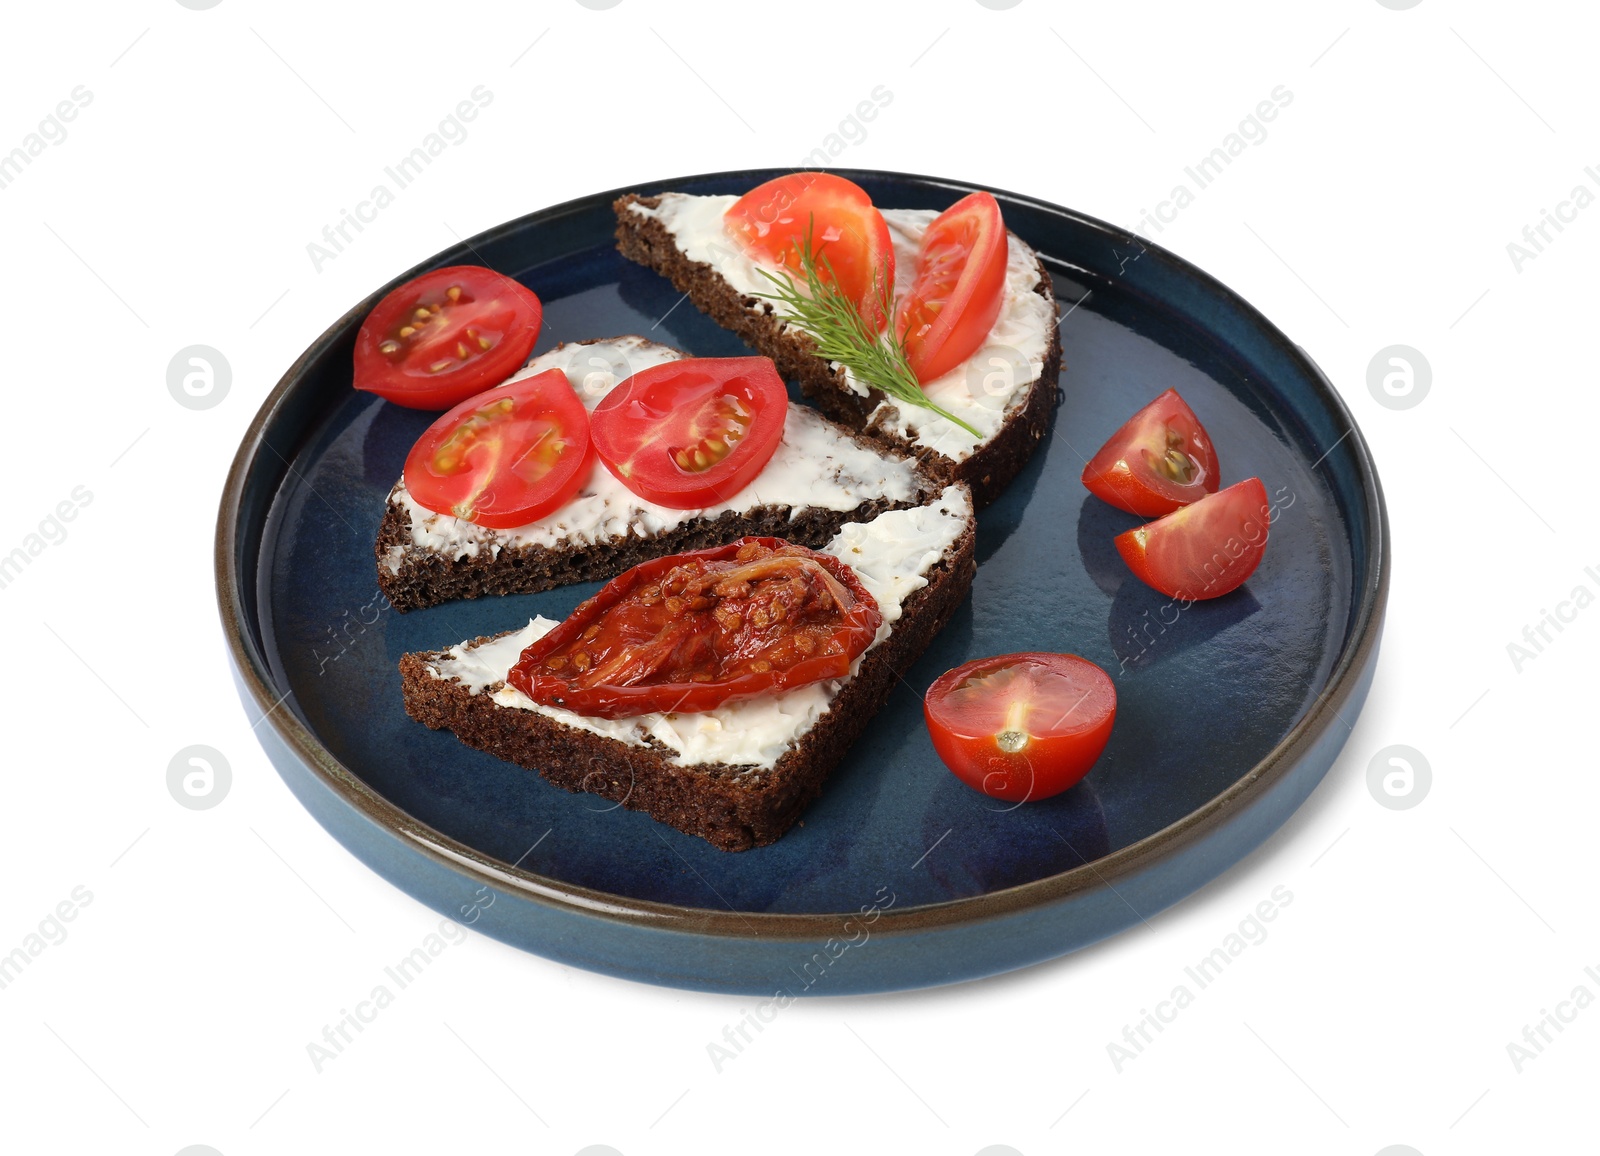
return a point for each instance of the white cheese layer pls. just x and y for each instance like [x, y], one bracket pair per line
[892, 555]
[983, 391]
[814, 467]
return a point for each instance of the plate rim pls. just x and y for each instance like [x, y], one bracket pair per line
[1371, 587]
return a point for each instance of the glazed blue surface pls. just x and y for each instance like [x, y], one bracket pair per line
[1203, 698]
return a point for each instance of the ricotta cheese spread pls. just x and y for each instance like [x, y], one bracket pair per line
[891, 554]
[983, 391]
[814, 467]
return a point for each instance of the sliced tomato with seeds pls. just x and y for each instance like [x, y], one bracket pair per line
[444, 336]
[1204, 550]
[689, 632]
[959, 288]
[1160, 460]
[772, 222]
[692, 433]
[1021, 727]
[506, 457]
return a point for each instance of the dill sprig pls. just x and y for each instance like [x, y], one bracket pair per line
[835, 323]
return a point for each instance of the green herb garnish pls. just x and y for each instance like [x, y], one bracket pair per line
[841, 333]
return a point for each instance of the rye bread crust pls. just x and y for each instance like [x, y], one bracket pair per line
[730, 810]
[988, 470]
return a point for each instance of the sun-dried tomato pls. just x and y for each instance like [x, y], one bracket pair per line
[689, 632]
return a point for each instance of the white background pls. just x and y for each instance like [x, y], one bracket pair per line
[1377, 211]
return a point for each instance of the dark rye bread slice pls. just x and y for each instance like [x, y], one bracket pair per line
[730, 808]
[988, 470]
[413, 576]
[427, 577]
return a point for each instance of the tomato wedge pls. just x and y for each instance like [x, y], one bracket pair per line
[446, 335]
[690, 632]
[692, 433]
[772, 220]
[506, 457]
[1205, 550]
[1160, 460]
[1021, 726]
[959, 287]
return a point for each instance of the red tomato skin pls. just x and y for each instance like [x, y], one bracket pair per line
[962, 326]
[1120, 474]
[1048, 765]
[859, 626]
[407, 385]
[549, 390]
[640, 456]
[1190, 554]
[772, 219]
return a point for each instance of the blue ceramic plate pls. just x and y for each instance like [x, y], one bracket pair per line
[900, 876]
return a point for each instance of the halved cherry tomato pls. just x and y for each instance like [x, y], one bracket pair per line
[1021, 726]
[689, 632]
[771, 222]
[959, 288]
[691, 433]
[1204, 550]
[1161, 459]
[506, 457]
[446, 335]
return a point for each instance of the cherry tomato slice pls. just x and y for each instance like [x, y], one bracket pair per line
[1021, 727]
[692, 433]
[689, 632]
[446, 335]
[771, 222]
[959, 287]
[506, 457]
[1204, 550]
[1160, 460]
